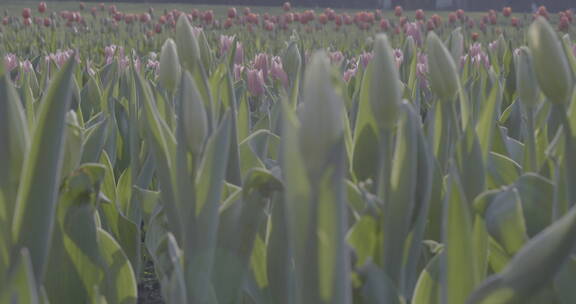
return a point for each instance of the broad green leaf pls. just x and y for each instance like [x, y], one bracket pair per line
[459, 256]
[505, 221]
[37, 192]
[398, 211]
[119, 283]
[14, 141]
[378, 288]
[75, 265]
[21, 287]
[544, 255]
[427, 290]
[535, 193]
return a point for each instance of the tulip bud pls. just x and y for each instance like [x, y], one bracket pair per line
[384, 87]
[526, 82]
[320, 114]
[205, 51]
[194, 118]
[550, 64]
[292, 61]
[187, 44]
[169, 66]
[456, 44]
[409, 49]
[443, 76]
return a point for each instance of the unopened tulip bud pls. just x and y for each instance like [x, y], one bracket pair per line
[526, 82]
[321, 114]
[550, 64]
[385, 88]
[443, 76]
[187, 42]
[169, 66]
[456, 44]
[205, 51]
[194, 118]
[409, 49]
[292, 61]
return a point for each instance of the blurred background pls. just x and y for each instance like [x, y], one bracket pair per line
[472, 5]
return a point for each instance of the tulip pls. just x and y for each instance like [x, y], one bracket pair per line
[225, 43]
[26, 13]
[232, 13]
[413, 30]
[238, 70]
[507, 11]
[321, 116]
[169, 66]
[287, 6]
[42, 7]
[194, 117]
[384, 24]
[27, 22]
[365, 59]
[261, 62]
[348, 74]
[47, 22]
[443, 75]
[550, 63]
[475, 36]
[398, 11]
[10, 62]
[239, 56]
[278, 73]
[385, 88]
[255, 82]
[336, 57]
[526, 82]
[456, 44]
[419, 14]
[187, 43]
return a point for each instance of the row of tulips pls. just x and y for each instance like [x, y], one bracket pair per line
[419, 167]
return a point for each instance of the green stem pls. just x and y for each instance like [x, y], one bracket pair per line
[532, 165]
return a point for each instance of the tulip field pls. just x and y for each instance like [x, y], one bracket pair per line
[167, 153]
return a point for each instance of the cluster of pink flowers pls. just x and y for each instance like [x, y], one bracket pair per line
[61, 57]
[226, 45]
[412, 29]
[264, 68]
[477, 56]
[398, 57]
[10, 61]
[422, 69]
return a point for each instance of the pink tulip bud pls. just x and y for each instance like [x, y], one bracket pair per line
[278, 73]
[255, 82]
[238, 70]
[10, 62]
[42, 7]
[348, 74]
[261, 62]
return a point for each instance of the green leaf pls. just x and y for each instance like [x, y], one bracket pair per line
[505, 221]
[459, 255]
[119, 283]
[21, 286]
[74, 266]
[535, 193]
[37, 192]
[543, 255]
[378, 288]
[428, 288]
[14, 141]
[398, 210]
